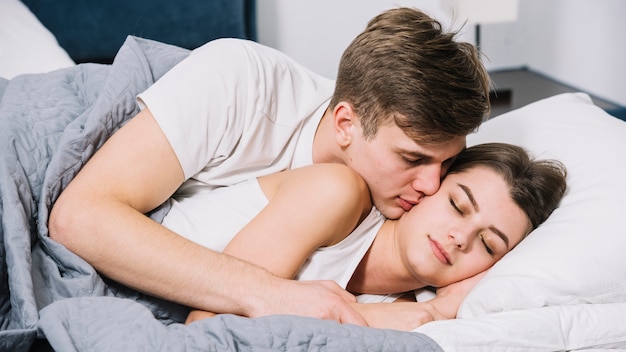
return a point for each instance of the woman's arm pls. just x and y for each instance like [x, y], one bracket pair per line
[308, 208]
[404, 316]
[407, 315]
[100, 217]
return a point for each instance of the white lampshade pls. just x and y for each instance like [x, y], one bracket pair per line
[482, 11]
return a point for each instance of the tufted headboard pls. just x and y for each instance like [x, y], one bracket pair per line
[93, 30]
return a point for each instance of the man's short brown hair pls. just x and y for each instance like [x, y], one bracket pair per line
[406, 68]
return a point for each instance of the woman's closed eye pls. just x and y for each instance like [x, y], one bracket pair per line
[487, 247]
[456, 207]
[459, 209]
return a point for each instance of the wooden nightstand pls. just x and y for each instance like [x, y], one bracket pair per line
[515, 88]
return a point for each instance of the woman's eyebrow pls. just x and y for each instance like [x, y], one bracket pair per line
[500, 234]
[469, 194]
[472, 200]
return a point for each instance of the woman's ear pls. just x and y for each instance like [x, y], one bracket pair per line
[344, 123]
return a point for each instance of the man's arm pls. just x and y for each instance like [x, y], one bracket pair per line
[100, 217]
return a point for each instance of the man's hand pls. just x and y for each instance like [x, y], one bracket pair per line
[318, 299]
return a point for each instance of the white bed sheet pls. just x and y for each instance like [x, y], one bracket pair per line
[582, 327]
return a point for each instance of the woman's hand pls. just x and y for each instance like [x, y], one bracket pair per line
[449, 298]
[196, 315]
[405, 316]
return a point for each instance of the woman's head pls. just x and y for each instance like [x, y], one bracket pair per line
[404, 67]
[492, 197]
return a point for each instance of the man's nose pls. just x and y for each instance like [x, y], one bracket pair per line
[427, 179]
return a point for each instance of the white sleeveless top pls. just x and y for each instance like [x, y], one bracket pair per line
[213, 218]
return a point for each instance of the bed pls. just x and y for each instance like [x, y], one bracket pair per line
[563, 288]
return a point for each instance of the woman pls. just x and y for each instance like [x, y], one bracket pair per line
[318, 223]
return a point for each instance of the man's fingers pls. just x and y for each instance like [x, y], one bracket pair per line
[345, 295]
[341, 310]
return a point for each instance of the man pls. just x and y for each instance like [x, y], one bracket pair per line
[406, 96]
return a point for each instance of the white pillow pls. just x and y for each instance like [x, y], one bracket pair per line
[26, 46]
[578, 254]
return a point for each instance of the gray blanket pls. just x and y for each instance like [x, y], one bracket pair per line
[50, 125]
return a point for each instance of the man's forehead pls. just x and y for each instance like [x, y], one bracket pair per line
[443, 151]
[398, 138]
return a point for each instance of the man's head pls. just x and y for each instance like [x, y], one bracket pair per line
[405, 68]
[403, 75]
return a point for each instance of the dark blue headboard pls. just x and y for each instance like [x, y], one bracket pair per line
[93, 30]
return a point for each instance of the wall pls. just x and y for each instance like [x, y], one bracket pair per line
[578, 42]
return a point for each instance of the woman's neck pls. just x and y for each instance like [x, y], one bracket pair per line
[381, 271]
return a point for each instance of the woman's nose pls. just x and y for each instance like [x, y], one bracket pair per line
[460, 239]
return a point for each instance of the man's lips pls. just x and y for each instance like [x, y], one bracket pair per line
[405, 204]
[439, 252]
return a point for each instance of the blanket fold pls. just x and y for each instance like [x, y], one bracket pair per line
[50, 125]
[222, 333]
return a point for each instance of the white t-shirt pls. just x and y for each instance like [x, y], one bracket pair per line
[234, 110]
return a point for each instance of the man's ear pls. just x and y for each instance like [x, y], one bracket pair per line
[345, 121]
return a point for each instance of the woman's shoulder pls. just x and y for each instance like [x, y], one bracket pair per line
[333, 172]
[331, 178]
[336, 184]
